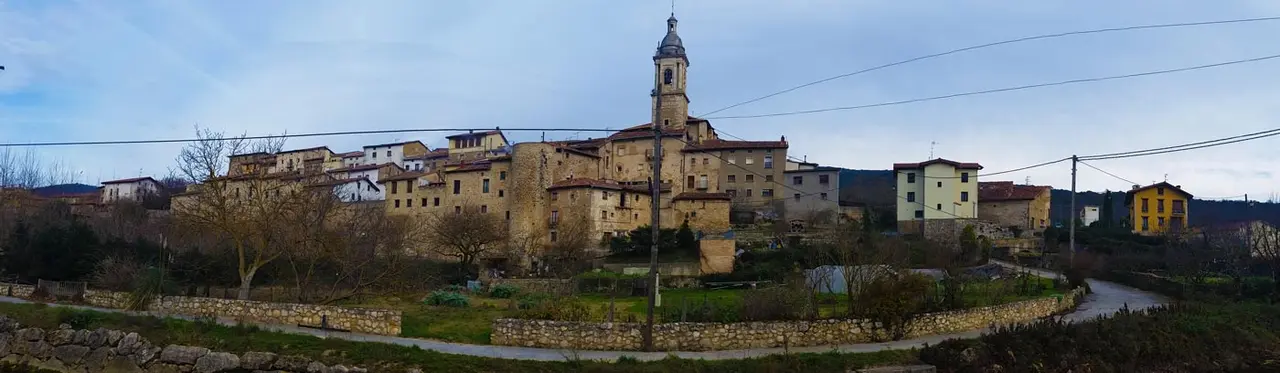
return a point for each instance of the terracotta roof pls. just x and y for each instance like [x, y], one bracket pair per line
[393, 144]
[1128, 196]
[131, 180]
[702, 196]
[501, 158]
[577, 151]
[352, 154]
[438, 153]
[362, 167]
[718, 144]
[306, 150]
[815, 169]
[586, 183]
[475, 166]
[408, 175]
[964, 165]
[1008, 191]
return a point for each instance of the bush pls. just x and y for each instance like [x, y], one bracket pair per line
[116, 273]
[503, 291]
[563, 309]
[531, 300]
[775, 303]
[448, 299]
[893, 301]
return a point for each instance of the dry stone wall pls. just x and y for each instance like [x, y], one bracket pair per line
[362, 320]
[102, 350]
[691, 336]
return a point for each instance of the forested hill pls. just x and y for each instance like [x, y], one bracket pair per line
[875, 188]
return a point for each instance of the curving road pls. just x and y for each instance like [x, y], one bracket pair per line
[1106, 299]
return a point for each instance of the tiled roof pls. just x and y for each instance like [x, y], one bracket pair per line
[1164, 184]
[702, 196]
[352, 154]
[306, 150]
[578, 151]
[815, 169]
[131, 180]
[630, 135]
[475, 166]
[394, 144]
[336, 182]
[718, 144]
[586, 183]
[363, 167]
[964, 165]
[438, 153]
[408, 175]
[485, 133]
[1008, 191]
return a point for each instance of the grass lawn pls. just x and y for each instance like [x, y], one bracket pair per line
[380, 357]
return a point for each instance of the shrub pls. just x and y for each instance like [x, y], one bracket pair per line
[118, 274]
[775, 303]
[893, 301]
[448, 299]
[503, 291]
[531, 300]
[563, 309]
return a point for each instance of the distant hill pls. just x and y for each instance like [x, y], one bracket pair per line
[875, 188]
[64, 189]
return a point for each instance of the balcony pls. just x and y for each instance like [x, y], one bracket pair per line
[1179, 212]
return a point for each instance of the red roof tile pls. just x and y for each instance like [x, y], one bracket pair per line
[586, 183]
[476, 166]
[702, 196]
[1008, 191]
[408, 175]
[718, 144]
[964, 165]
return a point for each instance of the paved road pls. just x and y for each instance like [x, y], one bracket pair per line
[1106, 299]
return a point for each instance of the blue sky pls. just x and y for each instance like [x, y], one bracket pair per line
[84, 70]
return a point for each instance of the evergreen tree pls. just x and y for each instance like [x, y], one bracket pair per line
[1107, 216]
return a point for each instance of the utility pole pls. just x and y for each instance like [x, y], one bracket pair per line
[1071, 246]
[1248, 224]
[655, 188]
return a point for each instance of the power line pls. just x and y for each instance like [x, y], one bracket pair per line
[998, 90]
[1270, 132]
[1180, 149]
[981, 46]
[1222, 198]
[280, 136]
[1108, 173]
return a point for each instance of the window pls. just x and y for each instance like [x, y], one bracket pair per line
[824, 196]
[706, 161]
[748, 194]
[423, 203]
[751, 178]
[375, 155]
[555, 216]
[502, 175]
[394, 187]
[1177, 207]
[768, 178]
[457, 209]
[457, 187]
[408, 202]
[435, 201]
[408, 186]
[733, 179]
[397, 203]
[555, 196]
[911, 177]
[1145, 225]
[730, 160]
[749, 160]
[388, 153]
[797, 180]
[500, 194]
[766, 192]
[824, 179]
[1160, 222]
[484, 209]
[768, 161]
[731, 192]
[667, 76]
[797, 196]
[1144, 205]
[508, 215]
[964, 177]
[920, 214]
[689, 182]
[911, 196]
[604, 214]
[1160, 205]
[702, 181]
[604, 195]
[553, 236]
[964, 196]
[1159, 191]
[939, 184]
[484, 186]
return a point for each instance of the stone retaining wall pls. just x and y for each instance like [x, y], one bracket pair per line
[70, 350]
[690, 336]
[363, 320]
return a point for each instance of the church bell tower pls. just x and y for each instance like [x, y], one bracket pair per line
[670, 64]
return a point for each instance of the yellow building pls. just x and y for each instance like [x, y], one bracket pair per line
[1157, 208]
[937, 189]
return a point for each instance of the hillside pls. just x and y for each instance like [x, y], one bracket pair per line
[875, 188]
[64, 189]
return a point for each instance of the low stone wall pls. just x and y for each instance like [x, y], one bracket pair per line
[691, 336]
[362, 320]
[688, 269]
[71, 350]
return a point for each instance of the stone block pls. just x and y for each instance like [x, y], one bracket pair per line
[217, 362]
[70, 354]
[257, 360]
[175, 354]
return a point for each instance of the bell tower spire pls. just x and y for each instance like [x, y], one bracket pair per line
[670, 64]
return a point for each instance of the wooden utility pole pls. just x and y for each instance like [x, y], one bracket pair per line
[1071, 246]
[655, 189]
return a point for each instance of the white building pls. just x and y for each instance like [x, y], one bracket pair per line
[1089, 214]
[352, 159]
[370, 172]
[936, 189]
[353, 190]
[134, 189]
[391, 153]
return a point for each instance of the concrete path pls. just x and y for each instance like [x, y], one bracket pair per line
[1106, 299]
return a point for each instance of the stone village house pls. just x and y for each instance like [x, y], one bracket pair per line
[1022, 208]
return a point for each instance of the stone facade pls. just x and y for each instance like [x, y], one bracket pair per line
[1010, 205]
[716, 255]
[361, 320]
[950, 229]
[72, 350]
[728, 336]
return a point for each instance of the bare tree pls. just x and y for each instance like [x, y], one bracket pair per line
[862, 257]
[467, 234]
[1265, 245]
[26, 170]
[576, 241]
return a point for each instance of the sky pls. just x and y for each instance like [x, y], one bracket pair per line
[85, 70]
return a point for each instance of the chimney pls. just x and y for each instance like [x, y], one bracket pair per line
[1135, 187]
[1177, 186]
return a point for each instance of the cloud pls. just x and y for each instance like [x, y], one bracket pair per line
[85, 71]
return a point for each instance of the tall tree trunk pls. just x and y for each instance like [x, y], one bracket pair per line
[246, 283]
